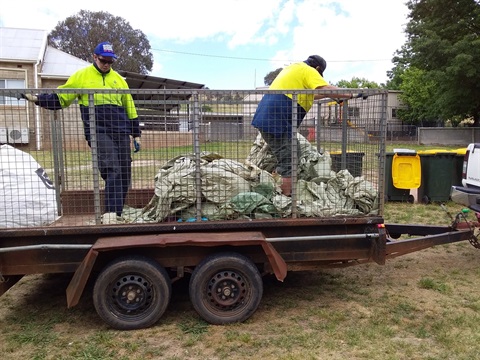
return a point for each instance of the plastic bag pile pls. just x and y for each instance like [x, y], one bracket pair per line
[27, 195]
[233, 190]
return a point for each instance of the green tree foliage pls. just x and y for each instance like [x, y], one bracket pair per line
[395, 75]
[418, 90]
[443, 43]
[358, 83]
[79, 34]
[268, 79]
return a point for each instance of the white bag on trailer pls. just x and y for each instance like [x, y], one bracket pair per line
[27, 195]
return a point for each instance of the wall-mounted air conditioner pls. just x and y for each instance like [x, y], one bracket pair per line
[3, 136]
[18, 135]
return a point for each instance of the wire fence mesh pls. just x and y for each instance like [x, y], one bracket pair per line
[200, 159]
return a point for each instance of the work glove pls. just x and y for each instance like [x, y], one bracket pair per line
[354, 96]
[360, 95]
[136, 144]
[28, 97]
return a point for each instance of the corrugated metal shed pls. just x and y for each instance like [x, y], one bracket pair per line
[162, 103]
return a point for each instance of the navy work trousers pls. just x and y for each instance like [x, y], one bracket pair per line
[115, 166]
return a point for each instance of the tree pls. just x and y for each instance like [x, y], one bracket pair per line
[79, 34]
[357, 83]
[443, 42]
[268, 79]
[417, 91]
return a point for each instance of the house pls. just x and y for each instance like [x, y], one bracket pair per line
[28, 62]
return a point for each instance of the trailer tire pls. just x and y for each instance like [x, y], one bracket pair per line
[132, 293]
[226, 288]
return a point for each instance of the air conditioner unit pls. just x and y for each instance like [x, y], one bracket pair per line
[18, 135]
[3, 136]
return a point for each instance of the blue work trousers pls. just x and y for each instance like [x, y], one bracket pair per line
[115, 166]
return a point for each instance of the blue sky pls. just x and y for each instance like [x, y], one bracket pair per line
[233, 44]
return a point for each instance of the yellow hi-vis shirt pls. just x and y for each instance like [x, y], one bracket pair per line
[90, 78]
[299, 76]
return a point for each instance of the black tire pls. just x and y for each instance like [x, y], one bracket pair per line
[132, 293]
[394, 236]
[425, 199]
[411, 199]
[226, 288]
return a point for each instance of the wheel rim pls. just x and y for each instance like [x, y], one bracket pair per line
[131, 294]
[226, 291]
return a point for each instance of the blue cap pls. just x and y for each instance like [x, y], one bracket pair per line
[105, 49]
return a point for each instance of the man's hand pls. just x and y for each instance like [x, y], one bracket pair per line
[136, 144]
[360, 95]
[28, 97]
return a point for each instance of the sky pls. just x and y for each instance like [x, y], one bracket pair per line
[234, 44]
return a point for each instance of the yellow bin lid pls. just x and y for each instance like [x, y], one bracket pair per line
[406, 171]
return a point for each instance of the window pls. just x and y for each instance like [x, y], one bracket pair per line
[10, 84]
[394, 113]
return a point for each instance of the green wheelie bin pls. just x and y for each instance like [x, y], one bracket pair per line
[438, 175]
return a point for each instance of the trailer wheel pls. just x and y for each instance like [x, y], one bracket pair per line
[132, 293]
[226, 288]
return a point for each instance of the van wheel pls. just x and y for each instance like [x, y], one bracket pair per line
[226, 288]
[132, 293]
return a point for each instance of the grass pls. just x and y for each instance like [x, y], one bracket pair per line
[421, 306]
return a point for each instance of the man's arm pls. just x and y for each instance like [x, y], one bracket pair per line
[337, 95]
[340, 96]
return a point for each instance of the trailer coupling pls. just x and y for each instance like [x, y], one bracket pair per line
[460, 221]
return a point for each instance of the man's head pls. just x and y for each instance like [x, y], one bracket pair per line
[317, 62]
[104, 56]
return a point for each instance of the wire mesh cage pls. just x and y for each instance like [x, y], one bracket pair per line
[198, 158]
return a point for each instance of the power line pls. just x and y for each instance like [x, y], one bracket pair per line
[256, 59]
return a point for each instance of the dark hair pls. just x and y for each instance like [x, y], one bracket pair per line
[316, 60]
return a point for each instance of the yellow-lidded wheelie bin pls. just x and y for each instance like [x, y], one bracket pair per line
[402, 173]
[438, 175]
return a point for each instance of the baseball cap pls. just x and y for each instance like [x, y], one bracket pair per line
[105, 49]
[316, 60]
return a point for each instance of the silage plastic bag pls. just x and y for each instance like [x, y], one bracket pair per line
[27, 195]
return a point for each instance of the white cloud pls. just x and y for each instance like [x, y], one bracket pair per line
[342, 31]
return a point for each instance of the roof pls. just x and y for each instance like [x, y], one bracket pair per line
[163, 102]
[30, 45]
[139, 81]
[60, 64]
[25, 45]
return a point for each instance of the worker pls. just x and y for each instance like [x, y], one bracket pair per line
[116, 120]
[274, 115]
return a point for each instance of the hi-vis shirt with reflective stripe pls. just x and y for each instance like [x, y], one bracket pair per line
[91, 78]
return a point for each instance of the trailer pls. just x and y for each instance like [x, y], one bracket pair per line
[204, 203]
